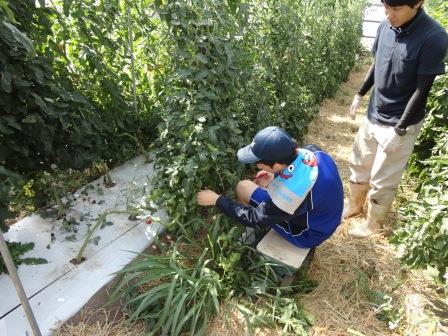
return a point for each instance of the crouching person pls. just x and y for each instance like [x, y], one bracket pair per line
[297, 192]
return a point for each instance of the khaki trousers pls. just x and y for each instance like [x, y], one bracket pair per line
[370, 164]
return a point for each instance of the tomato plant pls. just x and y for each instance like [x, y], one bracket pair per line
[235, 71]
[423, 231]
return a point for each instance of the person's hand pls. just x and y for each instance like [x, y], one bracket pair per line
[355, 105]
[391, 141]
[263, 178]
[207, 197]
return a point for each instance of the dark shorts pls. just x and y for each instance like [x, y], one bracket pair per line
[259, 195]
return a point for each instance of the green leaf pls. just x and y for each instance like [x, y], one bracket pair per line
[34, 261]
[205, 107]
[444, 226]
[4, 129]
[179, 312]
[38, 73]
[5, 7]
[202, 74]
[71, 238]
[66, 7]
[6, 81]
[214, 295]
[201, 58]
[96, 240]
[30, 119]
[20, 37]
[11, 120]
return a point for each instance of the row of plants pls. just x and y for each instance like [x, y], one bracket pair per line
[213, 73]
[73, 102]
[76, 88]
[423, 231]
[236, 67]
[86, 82]
[65, 88]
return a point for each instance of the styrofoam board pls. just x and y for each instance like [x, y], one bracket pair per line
[274, 246]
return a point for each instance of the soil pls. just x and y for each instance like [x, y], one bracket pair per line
[355, 276]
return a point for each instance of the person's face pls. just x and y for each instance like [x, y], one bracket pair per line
[276, 168]
[399, 15]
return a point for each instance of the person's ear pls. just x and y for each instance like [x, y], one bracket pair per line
[277, 166]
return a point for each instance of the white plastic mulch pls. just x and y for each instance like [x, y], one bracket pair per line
[59, 289]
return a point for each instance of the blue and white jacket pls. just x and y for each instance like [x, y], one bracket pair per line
[306, 201]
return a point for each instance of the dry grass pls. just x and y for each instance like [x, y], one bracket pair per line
[101, 322]
[350, 272]
[232, 323]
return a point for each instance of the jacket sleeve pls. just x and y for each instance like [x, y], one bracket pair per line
[265, 215]
[368, 81]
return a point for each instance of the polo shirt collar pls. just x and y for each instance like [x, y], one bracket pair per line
[409, 26]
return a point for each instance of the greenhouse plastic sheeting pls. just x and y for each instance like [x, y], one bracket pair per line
[373, 15]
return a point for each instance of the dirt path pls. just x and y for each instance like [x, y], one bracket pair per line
[346, 269]
[355, 276]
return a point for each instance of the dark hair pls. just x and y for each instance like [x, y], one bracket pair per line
[286, 161]
[395, 3]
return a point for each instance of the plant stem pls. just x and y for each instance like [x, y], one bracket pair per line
[131, 53]
[139, 145]
[58, 202]
[101, 218]
[108, 182]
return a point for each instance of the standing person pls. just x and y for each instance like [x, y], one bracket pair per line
[297, 192]
[409, 52]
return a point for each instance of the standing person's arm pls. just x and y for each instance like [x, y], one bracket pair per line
[368, 81]
[430, 64]
[393, 138]
[366, 86]
[418, 100]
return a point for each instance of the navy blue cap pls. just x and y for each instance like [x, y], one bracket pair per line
[270, 144]
[395, 3]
